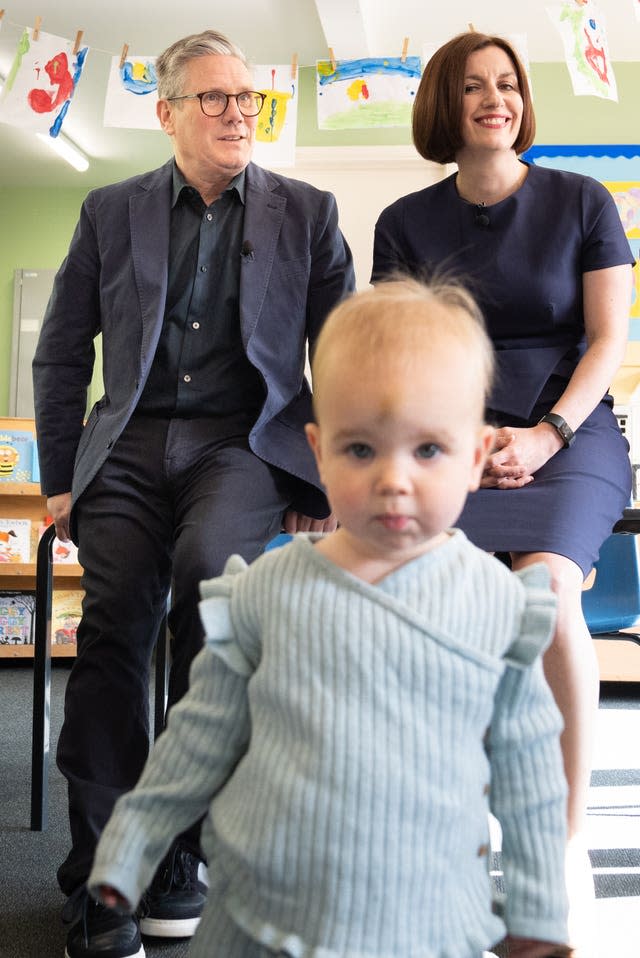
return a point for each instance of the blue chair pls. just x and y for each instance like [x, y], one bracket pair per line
[613, 602]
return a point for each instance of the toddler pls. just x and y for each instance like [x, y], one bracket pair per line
[365, 698]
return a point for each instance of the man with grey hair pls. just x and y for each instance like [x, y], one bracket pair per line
[207, 279]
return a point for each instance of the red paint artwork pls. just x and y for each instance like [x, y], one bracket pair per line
[44, 101]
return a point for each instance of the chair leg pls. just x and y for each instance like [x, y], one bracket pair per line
[42, 683]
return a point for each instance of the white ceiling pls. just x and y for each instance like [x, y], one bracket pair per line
[268, 31]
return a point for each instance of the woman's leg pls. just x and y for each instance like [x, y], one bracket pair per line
[571, 669]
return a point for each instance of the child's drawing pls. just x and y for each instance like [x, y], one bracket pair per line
[581, 26]
[275, 143]
[132, 94]
[41, 83]
[366, 93]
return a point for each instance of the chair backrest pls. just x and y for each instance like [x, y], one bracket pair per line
[281, 539]
[613, 602]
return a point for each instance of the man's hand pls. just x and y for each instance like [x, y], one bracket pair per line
[298, 522]
[112, 898]
[532, 948]
[59, 508]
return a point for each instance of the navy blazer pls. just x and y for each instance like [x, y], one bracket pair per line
[114, 281]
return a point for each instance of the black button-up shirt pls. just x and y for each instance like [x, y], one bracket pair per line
[200, 367]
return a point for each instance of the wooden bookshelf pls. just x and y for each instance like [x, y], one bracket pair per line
[23, 500]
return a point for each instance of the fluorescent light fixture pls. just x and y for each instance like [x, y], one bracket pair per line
[63, 146]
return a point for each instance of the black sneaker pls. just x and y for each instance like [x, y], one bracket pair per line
[101, 932]
[173, 903]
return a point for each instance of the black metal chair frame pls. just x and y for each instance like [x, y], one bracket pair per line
[42, 681]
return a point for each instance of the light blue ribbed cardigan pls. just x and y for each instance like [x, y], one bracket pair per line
[336, 732]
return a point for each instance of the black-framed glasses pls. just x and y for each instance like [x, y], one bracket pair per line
[214, 102]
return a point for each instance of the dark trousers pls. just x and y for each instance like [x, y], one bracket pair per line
[172, 502]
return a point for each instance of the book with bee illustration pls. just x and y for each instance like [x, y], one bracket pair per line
[16, 455]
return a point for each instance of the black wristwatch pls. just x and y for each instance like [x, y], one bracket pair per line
[561, 426]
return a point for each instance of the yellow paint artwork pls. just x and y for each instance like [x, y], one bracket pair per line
[272, 117]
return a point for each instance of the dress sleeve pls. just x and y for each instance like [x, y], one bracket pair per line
[528, 787]
[605, 243]
[207, 733]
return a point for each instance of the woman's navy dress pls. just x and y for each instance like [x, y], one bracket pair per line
[523, 260]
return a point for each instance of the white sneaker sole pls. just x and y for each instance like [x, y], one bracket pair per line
[168, 928]
[138, 954]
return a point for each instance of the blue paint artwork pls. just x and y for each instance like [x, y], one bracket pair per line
[139, 78]
[78, 65]
[410, 67]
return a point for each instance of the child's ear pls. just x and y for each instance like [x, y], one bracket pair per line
[484, 445]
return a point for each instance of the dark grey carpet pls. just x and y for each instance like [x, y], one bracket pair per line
[30, 900]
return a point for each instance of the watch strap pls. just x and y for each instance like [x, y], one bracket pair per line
[561, 426]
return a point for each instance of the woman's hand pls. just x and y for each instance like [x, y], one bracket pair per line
[518, 454]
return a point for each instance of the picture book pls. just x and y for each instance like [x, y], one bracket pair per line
[65, 552]
[16, 618]
[66, 610]
[15, 540]
[16, 455]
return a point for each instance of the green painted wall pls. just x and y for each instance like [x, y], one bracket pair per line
[37, 224]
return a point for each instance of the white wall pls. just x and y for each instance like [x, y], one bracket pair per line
[364, 181]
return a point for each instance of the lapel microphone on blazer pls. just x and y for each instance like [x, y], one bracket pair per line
[246, 250]
[482, 219]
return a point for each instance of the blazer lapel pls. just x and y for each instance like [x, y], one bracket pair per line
[149, 221]
[263, 217]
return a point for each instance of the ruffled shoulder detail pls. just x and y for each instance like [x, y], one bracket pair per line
[538, 617]
[215, 613]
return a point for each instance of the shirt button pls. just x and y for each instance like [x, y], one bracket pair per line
[209, 216]
[482, 851]
[187, 378]
[196, 325]
[203, 269]
[486, 789]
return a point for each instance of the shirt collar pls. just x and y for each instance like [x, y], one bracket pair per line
[179, 183]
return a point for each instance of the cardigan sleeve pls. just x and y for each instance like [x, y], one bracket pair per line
[528, 787]
[207, 734]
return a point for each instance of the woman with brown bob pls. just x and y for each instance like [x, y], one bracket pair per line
[545, 255]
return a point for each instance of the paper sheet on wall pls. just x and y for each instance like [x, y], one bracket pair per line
[41, 83]
[582, 28]
[276, 132]
[132, 95]
[367, 93]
